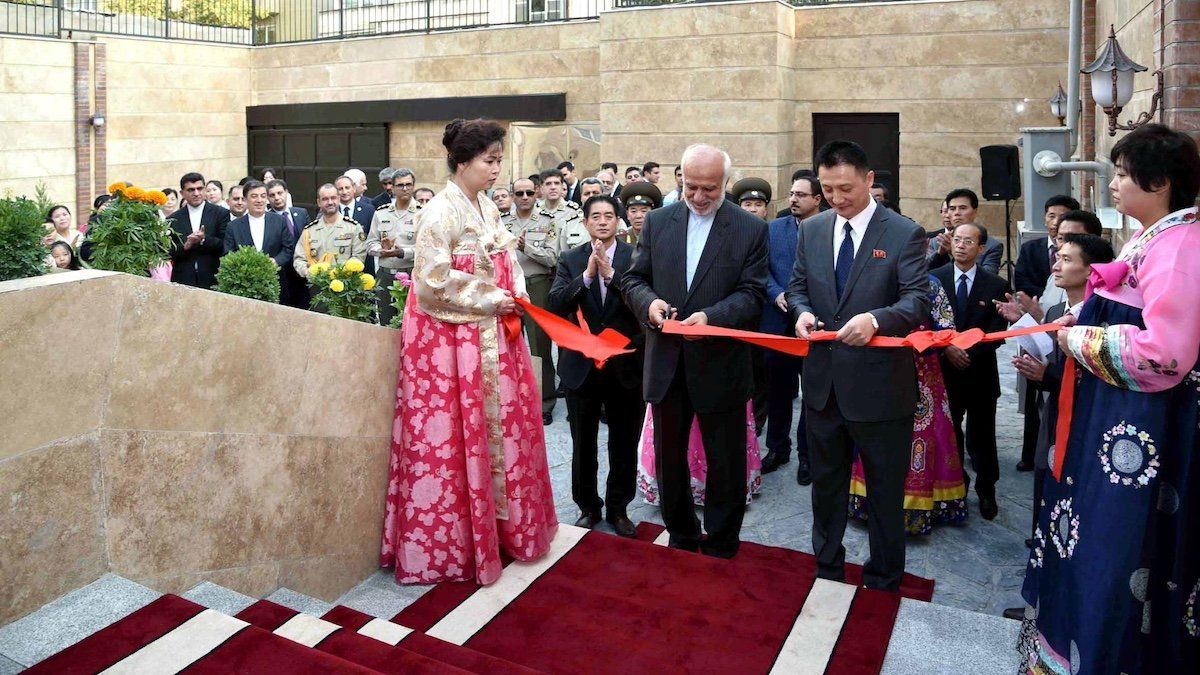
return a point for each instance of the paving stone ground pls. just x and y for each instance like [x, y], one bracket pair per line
[979, 566]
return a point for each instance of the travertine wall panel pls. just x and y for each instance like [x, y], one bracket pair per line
[196, 436]
[175, 107]
[37, 117]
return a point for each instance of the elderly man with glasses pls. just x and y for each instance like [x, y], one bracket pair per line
[393, 240]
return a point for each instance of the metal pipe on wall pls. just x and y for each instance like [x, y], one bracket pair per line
[1074, 46]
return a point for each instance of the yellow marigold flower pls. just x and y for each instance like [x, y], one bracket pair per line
[115, 188]
[314, 270]
[156, 197]
[354, 266]
[337, 286]
[368, 282]
[333, 272]
[136, 193]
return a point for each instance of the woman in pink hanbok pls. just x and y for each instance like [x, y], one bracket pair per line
[698, 467]
[468, 477]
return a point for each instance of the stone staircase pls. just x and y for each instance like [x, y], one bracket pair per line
[107, 621]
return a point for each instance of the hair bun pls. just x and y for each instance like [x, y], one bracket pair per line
[452, 130]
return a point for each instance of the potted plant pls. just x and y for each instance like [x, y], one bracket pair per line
[343, 290]
[22, 253]
[130, 235]
[249, 273]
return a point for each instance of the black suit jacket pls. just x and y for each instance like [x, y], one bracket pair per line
[1033, 267]
[569, 294]
[890, 280]
[729, 286]
[198, 266]
[981, 379]
[277, 241]
[300, 219]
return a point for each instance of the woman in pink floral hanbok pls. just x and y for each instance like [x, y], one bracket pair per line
[468, 477]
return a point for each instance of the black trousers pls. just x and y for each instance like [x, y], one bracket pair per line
[1033, 421]
[293, 289]
[724, 437]
[624, 409]
[979, 437]
[783, 386]
[538, 288]
[884, 448]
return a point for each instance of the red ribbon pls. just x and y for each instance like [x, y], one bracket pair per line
[599, 348]
[921, 340]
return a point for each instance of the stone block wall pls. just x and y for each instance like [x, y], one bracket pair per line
[174, 435]
[37, 116]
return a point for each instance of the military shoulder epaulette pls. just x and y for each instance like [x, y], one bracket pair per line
[350, 220]
[314, 222]
[572, 205]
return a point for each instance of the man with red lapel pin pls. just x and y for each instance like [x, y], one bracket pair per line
[860, 270]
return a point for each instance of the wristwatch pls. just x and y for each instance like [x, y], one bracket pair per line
[874, 321]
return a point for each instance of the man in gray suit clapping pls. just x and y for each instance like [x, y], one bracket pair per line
[861, 271]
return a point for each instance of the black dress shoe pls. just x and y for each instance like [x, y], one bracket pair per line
[1024, 466]
[588, 520]
[803, 474]
[1015, 613]
[988, 508]
[622, 525]
[774, 460]
[547, 419]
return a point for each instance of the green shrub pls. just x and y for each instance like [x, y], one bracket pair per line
[22, 226]
[249, 273]
[129, 236]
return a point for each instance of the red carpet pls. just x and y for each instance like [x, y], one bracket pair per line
[610, 605]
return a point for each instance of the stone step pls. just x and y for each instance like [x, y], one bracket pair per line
[300, 602]
[219, 598]
[71, 618]
[380, 596]
[938, 640]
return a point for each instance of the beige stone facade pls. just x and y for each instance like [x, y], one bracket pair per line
[747, 76]
[174, 441]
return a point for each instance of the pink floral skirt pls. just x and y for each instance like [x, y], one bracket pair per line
[697, 466]
[468, 476]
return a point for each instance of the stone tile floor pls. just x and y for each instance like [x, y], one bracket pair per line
[979, 566]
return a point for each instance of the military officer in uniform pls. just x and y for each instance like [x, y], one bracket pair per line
[393, 241]
[331, 238]
[571, 232]
[640, 198]
[753, 195]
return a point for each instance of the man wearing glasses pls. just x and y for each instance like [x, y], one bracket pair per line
[386, 176]
[783, 370]
[393, 240]
[972, 379]
[537, 252]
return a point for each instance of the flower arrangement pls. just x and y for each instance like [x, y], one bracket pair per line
[22, 253]
[249, 273]
[399, 293]
[130, 235]
[343, 290]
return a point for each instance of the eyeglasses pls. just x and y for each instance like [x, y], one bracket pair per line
[403, 186]
[802, 195]
[964, 241]
[524, 193]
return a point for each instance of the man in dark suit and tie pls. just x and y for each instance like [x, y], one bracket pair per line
[704, 261]
[293, 290]
[588, 280]
[972, 379]
[962, 206]
[197, 235]
[261, 229]
[860, 271]
[783, 370]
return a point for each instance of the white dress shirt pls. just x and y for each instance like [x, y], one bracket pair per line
[698, 228]
[195, 215]
[257, 225]
[587, 280]
[969, 274]
[858, 228]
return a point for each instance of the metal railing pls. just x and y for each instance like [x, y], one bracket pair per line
[264, 22]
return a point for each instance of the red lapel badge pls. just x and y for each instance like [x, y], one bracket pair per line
[877, 253]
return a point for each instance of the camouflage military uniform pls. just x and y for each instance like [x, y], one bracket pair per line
[401, 228]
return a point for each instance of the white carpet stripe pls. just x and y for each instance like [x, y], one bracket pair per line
[663, 539]
[187, 643]
[385, 631]
[306, 629]
[810, 644]
[476, 611]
